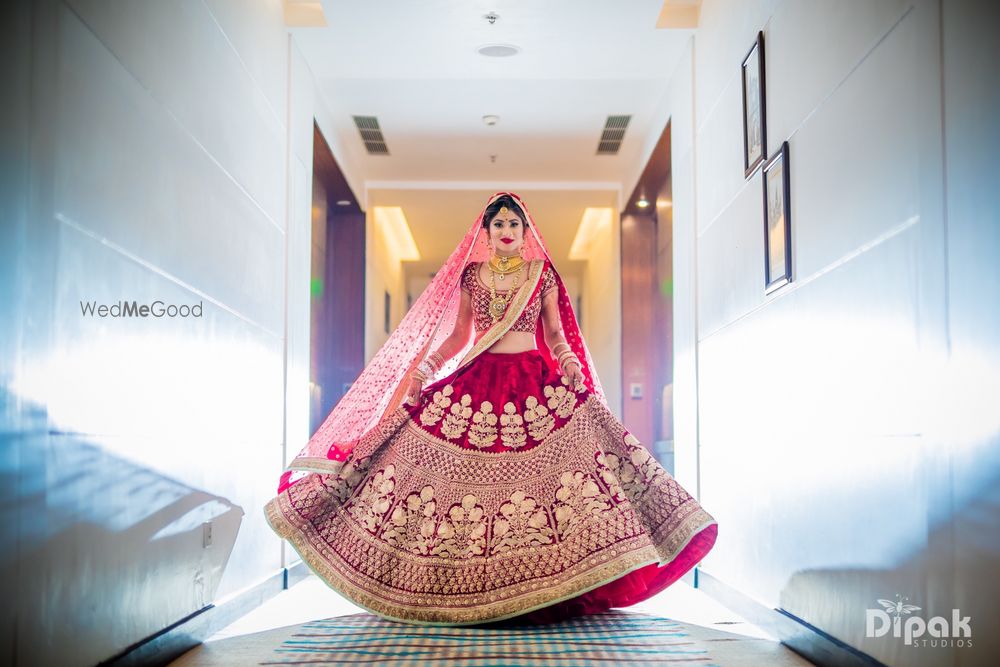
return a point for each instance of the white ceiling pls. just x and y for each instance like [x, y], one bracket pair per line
[414, 65]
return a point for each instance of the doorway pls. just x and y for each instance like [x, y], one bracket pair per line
[337, 285]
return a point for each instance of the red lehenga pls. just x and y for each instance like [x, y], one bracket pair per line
[502, 492]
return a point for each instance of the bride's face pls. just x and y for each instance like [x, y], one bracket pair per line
[506, 233]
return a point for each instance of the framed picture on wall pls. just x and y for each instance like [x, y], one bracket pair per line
[754, 125]
[777, 222]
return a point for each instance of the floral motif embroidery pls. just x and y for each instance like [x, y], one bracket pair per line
[621, 477]
[561, 400]
[434, 410]
[483, 431]
[648, 468]
[342, 484]
[540, 422]
[578, 500]
[520, 523]
[455, 424]
[511, 429]
[412, 524]
[374, 500]
[463, 533]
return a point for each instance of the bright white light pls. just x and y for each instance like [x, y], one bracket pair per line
[391, 224]
[596, 221]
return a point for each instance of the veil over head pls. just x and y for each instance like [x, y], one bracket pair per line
[381, 387]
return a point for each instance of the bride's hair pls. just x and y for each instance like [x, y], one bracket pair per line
[494, 208]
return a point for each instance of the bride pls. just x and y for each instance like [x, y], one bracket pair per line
[473, 472]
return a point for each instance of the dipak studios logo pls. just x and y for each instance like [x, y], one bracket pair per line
[895, 617]
[135, 309]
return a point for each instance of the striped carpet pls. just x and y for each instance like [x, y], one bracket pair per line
[611, 638]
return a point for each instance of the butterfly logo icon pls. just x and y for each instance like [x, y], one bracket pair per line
[899, 607]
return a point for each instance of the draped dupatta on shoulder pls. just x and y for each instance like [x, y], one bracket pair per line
[521, 299]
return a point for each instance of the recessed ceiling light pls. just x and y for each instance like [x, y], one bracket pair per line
[343, 202]
[499, 50]
[642, 203]
[491, 119]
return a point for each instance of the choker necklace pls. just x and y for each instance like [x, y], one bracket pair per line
[501, 265]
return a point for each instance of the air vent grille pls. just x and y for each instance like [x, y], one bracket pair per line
[611, 137]
[371, 135]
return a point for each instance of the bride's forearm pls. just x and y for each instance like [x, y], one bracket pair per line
[451, 346]
[436, 359]
[560, 349]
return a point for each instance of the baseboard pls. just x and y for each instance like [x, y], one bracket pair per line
[175, 640]
[808, 641]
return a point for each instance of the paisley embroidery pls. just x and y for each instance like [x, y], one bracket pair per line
[483, 431]
[540, 422]
[463, 533]
[578, 500]
[434, 410]
[412, 524]
[511, 429]
[455, 423]
[370, 506]
[561, 400]
[520, 523]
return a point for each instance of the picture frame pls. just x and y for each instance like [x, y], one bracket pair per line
[777, 221]
[754, 107]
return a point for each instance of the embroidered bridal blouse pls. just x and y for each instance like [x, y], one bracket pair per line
[473, 284]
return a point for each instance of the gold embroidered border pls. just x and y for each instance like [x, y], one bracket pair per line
[454, 448]
[514, 310]
[623, 563]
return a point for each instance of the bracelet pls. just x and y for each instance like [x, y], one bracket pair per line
[560, 344]
[570, 360]
[564, 355]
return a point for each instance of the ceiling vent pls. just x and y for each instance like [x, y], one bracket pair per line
[371, 134]
[611, 137]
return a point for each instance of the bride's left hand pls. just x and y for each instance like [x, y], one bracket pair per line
[574, 374]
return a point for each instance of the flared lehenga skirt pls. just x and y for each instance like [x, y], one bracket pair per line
[502, 493]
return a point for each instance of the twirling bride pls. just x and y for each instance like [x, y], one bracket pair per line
[503, 488]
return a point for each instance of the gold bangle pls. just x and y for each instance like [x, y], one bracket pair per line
[570, 359]
[567, 353]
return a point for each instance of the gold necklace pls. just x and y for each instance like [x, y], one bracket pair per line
[503, 265]
[498, 303]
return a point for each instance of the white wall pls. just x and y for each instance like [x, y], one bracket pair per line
[167, 154]
[383, 273]
[602, 308]
[837, 420]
